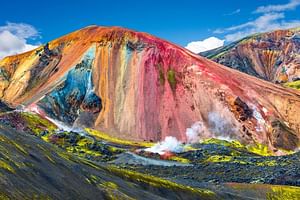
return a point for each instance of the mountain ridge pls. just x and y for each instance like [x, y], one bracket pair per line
[273, 56]
[132, 84]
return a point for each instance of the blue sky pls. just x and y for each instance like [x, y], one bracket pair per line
[179, 21]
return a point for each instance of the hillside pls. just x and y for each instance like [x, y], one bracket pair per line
[272, 56]
[136, 86]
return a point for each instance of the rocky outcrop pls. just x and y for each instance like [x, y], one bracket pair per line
[133, 85]
[4, 107]
[273, 56]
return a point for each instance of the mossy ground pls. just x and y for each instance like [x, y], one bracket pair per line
[73, 142]
[212, 161]
[159, 182]
[294, 85]
[218, 162]
[108, 138]
[283, 193]
[35, 169]
[258, 149]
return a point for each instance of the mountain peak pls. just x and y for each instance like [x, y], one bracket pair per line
[133, 85]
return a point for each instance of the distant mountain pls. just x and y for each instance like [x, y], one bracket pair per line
[133, 85]
[272, 56]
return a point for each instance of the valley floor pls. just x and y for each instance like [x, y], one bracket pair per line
[38, 161]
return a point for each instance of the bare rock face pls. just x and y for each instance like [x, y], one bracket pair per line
[135, 86]
[4, 107]
[242, 110]
[273, 56]
[282, 137]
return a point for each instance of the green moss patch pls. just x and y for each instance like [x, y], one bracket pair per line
[6, 166]
[171, 75]
[159, 182]
[108, 138]
[294, 85]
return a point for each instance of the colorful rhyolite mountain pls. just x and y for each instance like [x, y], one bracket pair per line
[273, 56]
[135, 86]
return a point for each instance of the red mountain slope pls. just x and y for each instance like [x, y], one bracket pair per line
[133, 85]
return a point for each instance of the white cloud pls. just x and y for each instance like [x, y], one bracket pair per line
[233, 12]
[278, 8]
[14, 38]
[205, 45]
[264, 23]
[272, 17]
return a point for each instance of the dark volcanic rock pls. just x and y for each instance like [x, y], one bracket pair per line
[4, 107]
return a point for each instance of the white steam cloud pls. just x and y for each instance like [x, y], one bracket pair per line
[170, 144]
[193, 134]
[218, 127]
